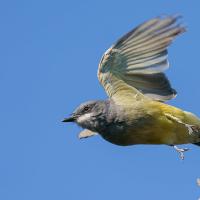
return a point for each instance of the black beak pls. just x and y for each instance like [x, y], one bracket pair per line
[69, 119]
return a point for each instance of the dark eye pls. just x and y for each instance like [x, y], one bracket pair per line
[86, 108]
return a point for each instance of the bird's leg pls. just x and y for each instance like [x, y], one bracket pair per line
[180, 151]
[191, 128]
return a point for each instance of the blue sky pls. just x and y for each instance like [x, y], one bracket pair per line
[49, 56]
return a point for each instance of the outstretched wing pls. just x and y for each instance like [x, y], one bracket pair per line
[134, 65]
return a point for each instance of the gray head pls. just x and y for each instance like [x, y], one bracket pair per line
[88, 114]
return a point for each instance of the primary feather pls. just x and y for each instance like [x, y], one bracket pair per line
[136, 62]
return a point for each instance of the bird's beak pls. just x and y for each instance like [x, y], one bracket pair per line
[69, 119]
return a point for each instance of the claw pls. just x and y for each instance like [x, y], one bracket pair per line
[181, 151]
[192, 129]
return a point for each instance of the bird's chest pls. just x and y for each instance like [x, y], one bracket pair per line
[127, 132]
[128, 126]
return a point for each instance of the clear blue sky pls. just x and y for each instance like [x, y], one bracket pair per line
[49, 53]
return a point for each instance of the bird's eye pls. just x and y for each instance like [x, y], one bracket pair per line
[86, 108]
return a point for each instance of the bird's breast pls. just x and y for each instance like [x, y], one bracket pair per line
[156, 129]
[138, 132]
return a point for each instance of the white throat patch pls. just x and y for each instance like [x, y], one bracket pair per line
[84, 117]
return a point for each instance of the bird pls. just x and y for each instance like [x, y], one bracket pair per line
[132, 72]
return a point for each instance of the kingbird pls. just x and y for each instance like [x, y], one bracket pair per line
[132, 74]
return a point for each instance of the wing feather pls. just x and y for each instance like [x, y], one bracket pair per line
[136, 62]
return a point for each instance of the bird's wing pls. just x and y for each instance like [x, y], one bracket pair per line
[134, 65]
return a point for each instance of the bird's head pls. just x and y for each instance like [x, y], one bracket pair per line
[87, 114]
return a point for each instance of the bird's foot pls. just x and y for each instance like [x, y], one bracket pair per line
[181, 151]
[192, 129]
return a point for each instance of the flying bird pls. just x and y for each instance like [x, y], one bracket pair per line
[132, 74]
